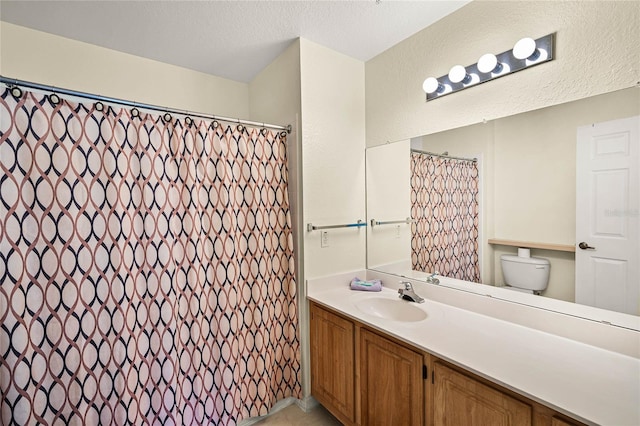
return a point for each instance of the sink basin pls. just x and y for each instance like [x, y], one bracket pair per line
[397, 310]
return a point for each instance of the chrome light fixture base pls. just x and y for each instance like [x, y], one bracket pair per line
[507, 63]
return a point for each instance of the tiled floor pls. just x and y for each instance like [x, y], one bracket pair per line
[294, 416]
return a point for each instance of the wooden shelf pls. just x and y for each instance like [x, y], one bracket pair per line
[529, 244]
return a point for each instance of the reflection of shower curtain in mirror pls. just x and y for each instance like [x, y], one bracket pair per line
[444, 206]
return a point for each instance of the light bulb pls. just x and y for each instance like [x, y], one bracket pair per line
[458, 74]
[431, 85]
[525, 48]
[488, 63]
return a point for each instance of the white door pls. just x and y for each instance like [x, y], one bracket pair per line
[608, 215]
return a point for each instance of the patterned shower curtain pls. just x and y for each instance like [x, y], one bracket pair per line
[444, 206]
[146, 265]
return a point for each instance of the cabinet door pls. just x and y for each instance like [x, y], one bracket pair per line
[391, 382]
[332, 363]
[557, 421]
[462, 400]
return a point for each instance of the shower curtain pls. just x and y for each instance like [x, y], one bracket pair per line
[146, 265]
[444, 206]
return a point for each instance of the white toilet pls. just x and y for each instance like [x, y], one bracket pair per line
[524, 273]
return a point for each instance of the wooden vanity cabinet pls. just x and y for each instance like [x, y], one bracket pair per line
[364, 377]
[391, 382]
[332, 342]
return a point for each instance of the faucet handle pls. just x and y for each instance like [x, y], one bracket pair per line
[432, 278]
[407, 285]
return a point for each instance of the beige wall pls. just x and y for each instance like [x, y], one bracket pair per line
[274, 94]
[596, 52]
[39, 57]
[333, 141]
[388, 199]
[535, 165]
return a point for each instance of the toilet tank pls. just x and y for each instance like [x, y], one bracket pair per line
[530, 273]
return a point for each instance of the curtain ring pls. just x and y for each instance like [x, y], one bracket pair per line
[263, 131]
[135, 112]
[16, 92]
[99, 106]
[166, 117]
[215, 124]
[240, 127]
[188, 120]
[54, 99]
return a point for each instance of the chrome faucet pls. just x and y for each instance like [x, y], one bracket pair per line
[407, 293]
[432, 278]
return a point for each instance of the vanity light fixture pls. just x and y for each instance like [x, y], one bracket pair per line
[458, 74]
[431, 85]
[489, 63]
[525, 48]
[526, 53]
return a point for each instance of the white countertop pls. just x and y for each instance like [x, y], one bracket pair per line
[590, 384]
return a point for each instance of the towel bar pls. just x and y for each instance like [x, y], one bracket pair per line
[391, 222]
[358, 224]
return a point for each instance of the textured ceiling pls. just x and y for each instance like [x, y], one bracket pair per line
[231, 39]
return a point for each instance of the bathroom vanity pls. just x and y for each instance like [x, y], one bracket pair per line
[376, 359]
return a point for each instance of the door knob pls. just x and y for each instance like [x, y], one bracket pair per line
[585, 246]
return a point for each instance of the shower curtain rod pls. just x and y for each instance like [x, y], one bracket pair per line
[11, 82]
[444, 155]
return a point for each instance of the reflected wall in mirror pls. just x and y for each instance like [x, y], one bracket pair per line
[527, 168]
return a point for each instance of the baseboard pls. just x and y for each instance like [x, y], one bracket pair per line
[283, 403]
[307, 404]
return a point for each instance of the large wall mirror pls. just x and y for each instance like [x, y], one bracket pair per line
[525, 182]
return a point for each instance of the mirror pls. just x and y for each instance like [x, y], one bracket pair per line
[527, 191]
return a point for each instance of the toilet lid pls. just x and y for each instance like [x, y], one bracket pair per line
[529, 260]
